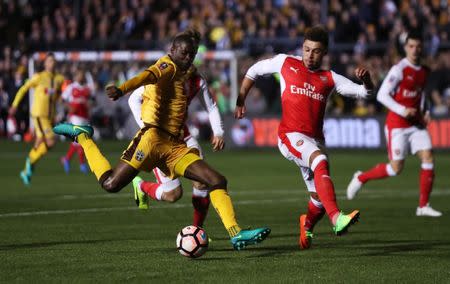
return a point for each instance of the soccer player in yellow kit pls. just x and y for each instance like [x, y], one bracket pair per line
[47, 90]
[160, 142]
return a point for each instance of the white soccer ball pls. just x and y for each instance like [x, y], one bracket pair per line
[192, 241]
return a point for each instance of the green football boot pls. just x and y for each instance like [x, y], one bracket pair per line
[249, 237]
[343, 222]
[72, 131]
[140, 197]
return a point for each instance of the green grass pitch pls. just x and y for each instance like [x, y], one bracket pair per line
[66, 228]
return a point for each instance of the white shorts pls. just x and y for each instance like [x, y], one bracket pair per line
[297, 147]
[402, 140]
[78, 120]
[165, 181]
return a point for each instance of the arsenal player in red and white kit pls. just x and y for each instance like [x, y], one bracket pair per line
[402, 94]
[77, 96]
[305, 89]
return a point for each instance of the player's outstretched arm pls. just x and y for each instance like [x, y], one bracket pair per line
[246, 85]
[263, 67]
[144, 78]
[215, 120]
[33, 82]
[348, 88]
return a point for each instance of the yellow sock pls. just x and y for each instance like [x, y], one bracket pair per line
[222, 203]
[37, 153]
[97, 162]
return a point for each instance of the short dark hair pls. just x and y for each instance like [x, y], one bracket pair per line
[317, 33]
[191, 36]
[49, 54]
[414, 34]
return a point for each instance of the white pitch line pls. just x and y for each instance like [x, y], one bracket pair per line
[371, 192]
[377, 195]
[109, 209]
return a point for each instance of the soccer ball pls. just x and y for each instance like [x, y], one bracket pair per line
[192, 241]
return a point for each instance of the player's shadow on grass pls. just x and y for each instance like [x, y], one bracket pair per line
[383, 248]
[264, 250]
[51, 244]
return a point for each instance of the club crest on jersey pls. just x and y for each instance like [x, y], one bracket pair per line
[139, 155]
[299, 143]
[163, 66]
[397, 151]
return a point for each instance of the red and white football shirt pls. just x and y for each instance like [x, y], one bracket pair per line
[403, 87]
[77, 96]
[304, 93]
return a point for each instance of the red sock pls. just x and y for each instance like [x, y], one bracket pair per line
[426, 184]
[314, 215]
[377, 172]
[80, 153]
[201, 206]
[72, 149]
[150, 188]
[325, 189]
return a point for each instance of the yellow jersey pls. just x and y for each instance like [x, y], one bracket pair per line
[165, 103]
[47, 90]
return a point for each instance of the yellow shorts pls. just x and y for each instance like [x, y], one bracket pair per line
[43, 127]
[152, 147]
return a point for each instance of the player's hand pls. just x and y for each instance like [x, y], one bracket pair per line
[12, 111]
[364, 75]
[410, 112]
[239, 112]
[218, 143]
[113, 92]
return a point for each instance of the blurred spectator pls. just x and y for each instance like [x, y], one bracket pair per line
[256, 103]
[365, 33]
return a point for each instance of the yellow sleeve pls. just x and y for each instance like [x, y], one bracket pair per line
[149, 76]
[162, 69]
[144, 78]
[33, 82]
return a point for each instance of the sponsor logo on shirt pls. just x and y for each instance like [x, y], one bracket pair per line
[409, 93]
[307, 90]
[294, 69]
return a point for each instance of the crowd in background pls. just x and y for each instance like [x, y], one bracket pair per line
[362, 33]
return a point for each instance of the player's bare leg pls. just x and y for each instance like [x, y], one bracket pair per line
[200, 171]
[325, 190]
[114, 180]
[426, 184]
[111, 180]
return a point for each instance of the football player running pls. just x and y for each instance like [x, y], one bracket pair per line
[402, 93]
[305, 89]
[160, 143]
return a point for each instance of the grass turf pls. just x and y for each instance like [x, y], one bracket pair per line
[65, 228]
